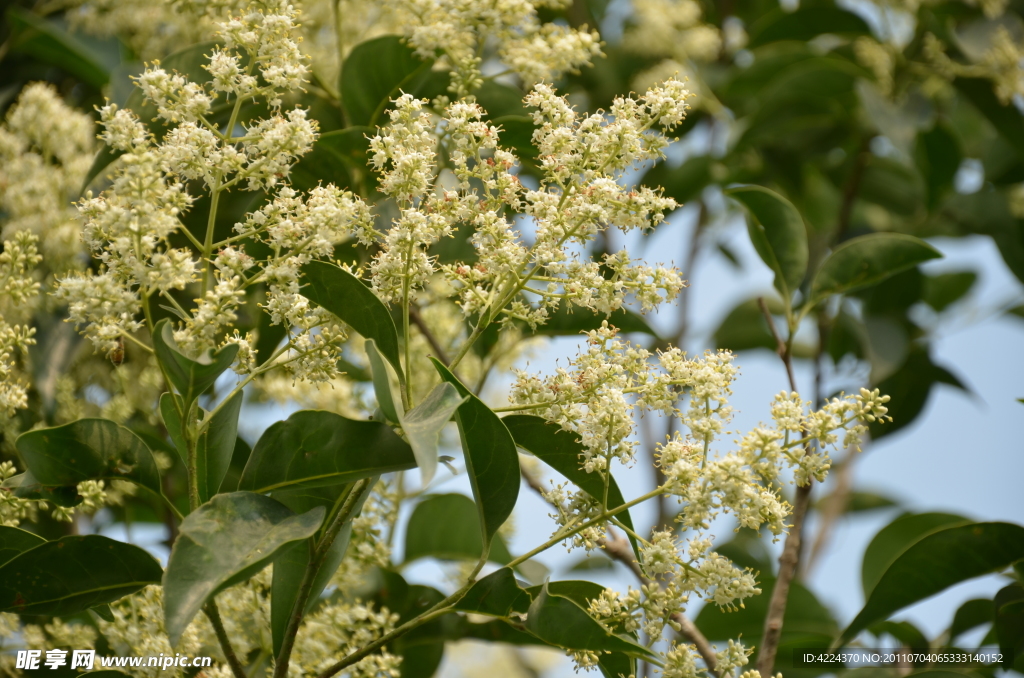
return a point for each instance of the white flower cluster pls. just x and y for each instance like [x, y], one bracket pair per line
[18, 292]
[671, 29]
[458, 30]
[339, 629]
[46, 149]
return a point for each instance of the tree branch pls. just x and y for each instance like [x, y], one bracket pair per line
[213, 613]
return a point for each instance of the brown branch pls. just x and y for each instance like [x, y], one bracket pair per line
[435, 346]
[213, 613]
[782, 348]
[618, 548]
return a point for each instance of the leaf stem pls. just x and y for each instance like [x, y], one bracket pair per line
[213, 613]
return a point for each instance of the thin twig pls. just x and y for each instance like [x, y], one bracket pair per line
[618, 549]
[782, 348]
[213, 613]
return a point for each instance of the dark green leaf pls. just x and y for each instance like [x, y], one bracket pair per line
[88, 449]
[422, 426]
[778, 234]
[72, 574]
[866, 260]
[103, 611]
[14, 541]
[447, 526]
[313, 448]
[936, 562]
[390, 404]
[562, 451]
[191, 377]
[744, 329]
[25, 486]
[215, 446]
[1004, 117]
[225, 542]
[938, 157]
[576, 320]
[338, 157]
[48, 42]
[910, 387]
[497, 595]
[346, 296]
[893, 185]
[560, 621]
[804, 24]
[971, 615]
[1009, 623]
[379, 70]
[945, 289]
[904, 632]
[895, 538]
[291, 565]
[104, 157]
[491, 457]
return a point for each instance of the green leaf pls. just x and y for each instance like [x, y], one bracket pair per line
[971, 615]
[223, 543]
[390, 405]
[945, 289]
[894, 185]
[338, 157]
[103, 611]
[936, 562]
[804, 24]
[290, 566]
[88, 449]
[491, 458]
[447, 526]
[745, 328]
[778, 234]
[25, 486]
[866, 260]
[938, 157]
[14, 541]
[422, 426]
[498, 594]
[576, 320]
[104, 157]
[910, 387]
[48, 42]
[379, 70]
[72, 574]
[215, 446]
[895, 538]
[1005, 118]
[345, 295]
[560, 621]
[682, 183]
[312, 448]
[191, 377]
[1009, 623]
[562, 451]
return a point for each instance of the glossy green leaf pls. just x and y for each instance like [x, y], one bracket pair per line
[14, 541]
[88, 449]
[345, 295]
[805, 23]
[498, 594]
[312, 448]
[74, 573]
[895, 538]
[576, 320]
[447, 526]
[904, 632]
[48, 42]
[390, 404]
[422, 426]
[936, 562]
[868, 259]
[491, 457]
[290, 566]
[560, 621]
[190, 377]
[215, 446]
[225, 542]
[562, 451]
[1006, 119]
[778, 234]
[103, 611]
[971, 615]
[379, 70]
